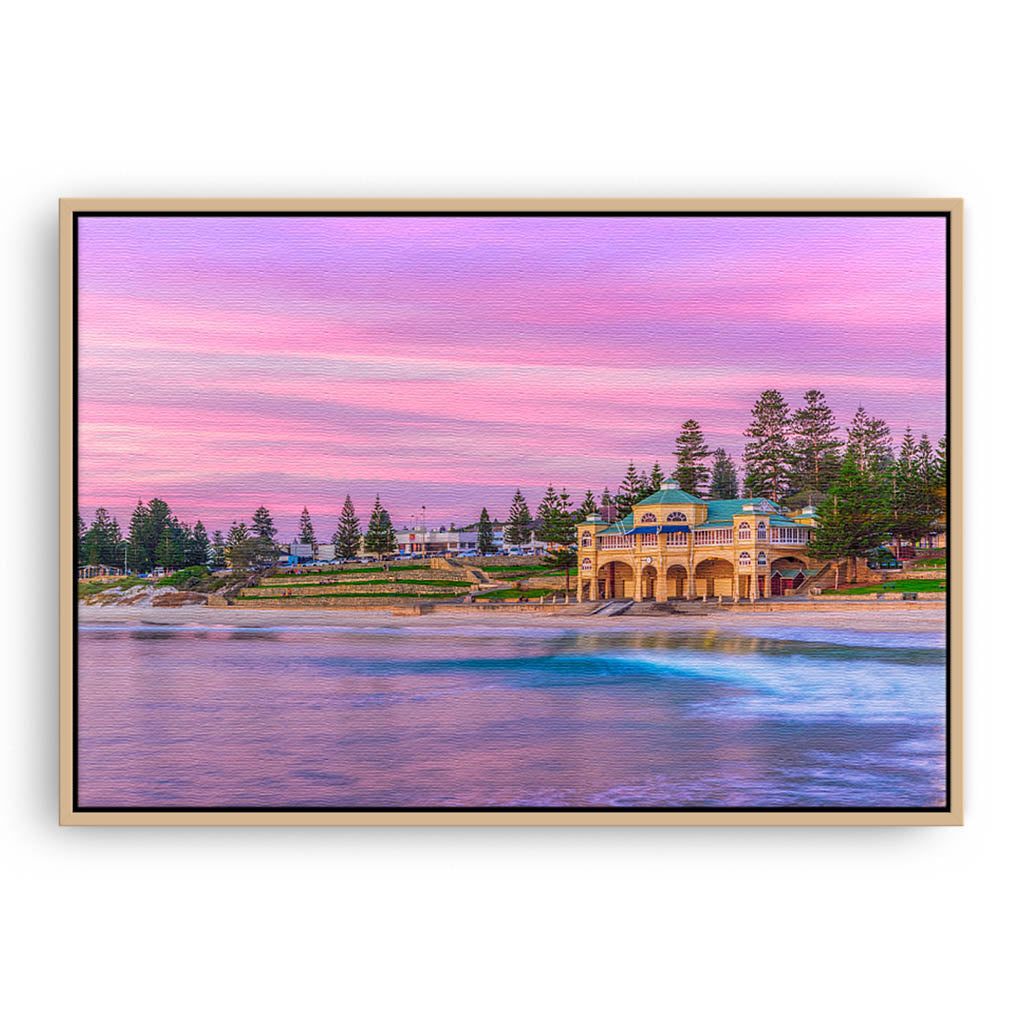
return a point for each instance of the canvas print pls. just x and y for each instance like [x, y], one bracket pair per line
[448, 510]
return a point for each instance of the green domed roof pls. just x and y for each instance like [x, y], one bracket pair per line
[670, 494]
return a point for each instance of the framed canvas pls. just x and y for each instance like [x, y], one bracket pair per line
[511, 512]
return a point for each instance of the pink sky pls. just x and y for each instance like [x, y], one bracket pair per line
[228, 362]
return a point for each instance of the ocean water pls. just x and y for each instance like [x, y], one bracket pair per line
[485, 715]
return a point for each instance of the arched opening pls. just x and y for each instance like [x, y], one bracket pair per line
[615, 579]
[676, 581]
[714, 578]
[787, 574]
[648, 579]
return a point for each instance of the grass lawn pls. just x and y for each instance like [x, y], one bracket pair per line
[932, 563]
[87, 588]
[348, 593]
[896, 586]
[512, 592]
[325, 571]
[278, 582]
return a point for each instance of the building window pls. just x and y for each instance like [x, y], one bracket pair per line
[587, 539]
[744, 558]
[586, 565]
[676, 517]
[743, 533]
[706, 538]
[762, 558]
[648, 517]
[762, 530]
[648, 540]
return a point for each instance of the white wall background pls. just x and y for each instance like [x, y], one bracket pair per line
[530, 98]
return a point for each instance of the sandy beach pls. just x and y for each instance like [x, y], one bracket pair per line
[897, 618]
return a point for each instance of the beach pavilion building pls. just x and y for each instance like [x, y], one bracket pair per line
[674, 545]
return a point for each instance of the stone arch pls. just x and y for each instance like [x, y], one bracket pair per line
[615, 579]
[789, 562]
[714, 577]
[648, 582]
[676, 577]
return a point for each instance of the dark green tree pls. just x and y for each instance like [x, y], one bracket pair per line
[724, 484]
[306, 534]
[199, 553]
[912, 515]
[657, 478]
[815, 446]
[855, 519]
[629, 490]
[79, 540]
[252, 552]
[767, 455]
[346, 536]
[485, 534]
[691, 453]
[263, 524]
[869, 443]
[588, 507]
[380, 533]
[517, 526]
[102, 541]
[217, 558]
[558, 529]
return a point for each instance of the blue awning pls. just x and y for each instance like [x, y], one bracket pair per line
[674, 528]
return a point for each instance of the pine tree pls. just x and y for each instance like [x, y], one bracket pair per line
[306, 534]
[200, 554]
[139, 556]
[815, 447]
[558, 528]
[588, 507]
[346, 536]
[102, 541]
[217, 558]
[517, 526]
[79, 539]
[767, 455]
[263, 524]
[485, 534]
[691, 453]
[657, 478]
[724, 484]
[380, 534]
[238, 533]
[855, 519]
[629, 490]
[911, 514]
[869, 442]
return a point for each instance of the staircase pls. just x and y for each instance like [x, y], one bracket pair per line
[615, 607]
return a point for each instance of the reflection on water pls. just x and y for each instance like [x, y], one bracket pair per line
[487, 716]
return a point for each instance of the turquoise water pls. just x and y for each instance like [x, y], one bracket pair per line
[481, 715]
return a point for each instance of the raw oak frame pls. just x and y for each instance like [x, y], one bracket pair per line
[951, 815]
